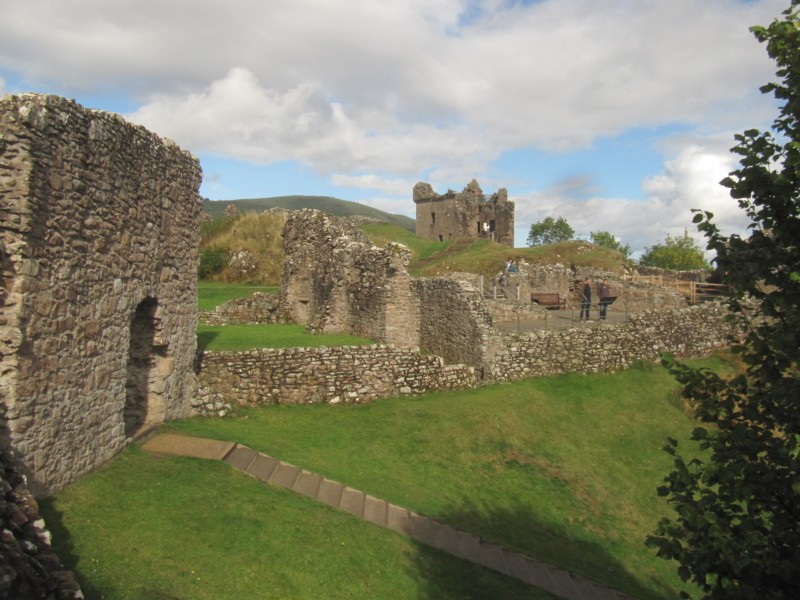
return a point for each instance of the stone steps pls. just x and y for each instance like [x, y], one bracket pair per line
[467, 546]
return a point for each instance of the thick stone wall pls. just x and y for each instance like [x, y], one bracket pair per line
[336, 280]
[100, 229]
[348, 374]
[455, 322]
[684, 333]
[466, 214]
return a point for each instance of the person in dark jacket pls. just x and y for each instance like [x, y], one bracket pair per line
[586, 299]
[603, 293]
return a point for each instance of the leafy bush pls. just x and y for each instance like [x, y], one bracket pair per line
[212, 260]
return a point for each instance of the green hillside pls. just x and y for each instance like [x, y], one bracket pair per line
[256, 236]
[327, 204]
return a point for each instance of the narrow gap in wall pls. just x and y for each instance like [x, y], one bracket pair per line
[144, 402]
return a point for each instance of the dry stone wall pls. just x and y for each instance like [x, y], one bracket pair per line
[689, 332]
[349, 374]
[100, 229]
[362, 373]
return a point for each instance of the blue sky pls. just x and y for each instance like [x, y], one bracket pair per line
[617, 114]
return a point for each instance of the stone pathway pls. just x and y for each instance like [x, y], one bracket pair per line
[270, 470]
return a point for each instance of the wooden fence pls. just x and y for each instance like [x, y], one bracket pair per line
[695, 292]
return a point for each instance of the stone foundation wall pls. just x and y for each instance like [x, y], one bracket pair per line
[362, 373]
[350, 374]
[100, 229]
[260, 308]
[684, 333]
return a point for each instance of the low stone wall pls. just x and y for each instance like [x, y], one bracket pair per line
[348, 374]
[688, 332]
[260, 308]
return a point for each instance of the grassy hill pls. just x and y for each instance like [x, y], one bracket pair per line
[485, 256]
[333, 206]
[251, 242]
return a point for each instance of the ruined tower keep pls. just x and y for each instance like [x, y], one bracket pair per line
[468, 214]
[98, 307]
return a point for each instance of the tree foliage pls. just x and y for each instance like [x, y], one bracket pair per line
[212, 260]
[607, 240]
[676, 253]
[737, 529]
[550, 231]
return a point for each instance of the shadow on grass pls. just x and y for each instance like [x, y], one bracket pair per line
[62, 544]
[204, 339]
[578, 557]
[444, 577]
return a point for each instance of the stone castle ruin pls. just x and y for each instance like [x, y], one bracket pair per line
[98, 307]
[466, 214]
[99, 247]
[335, 280]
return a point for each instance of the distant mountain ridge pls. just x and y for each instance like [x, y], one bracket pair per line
[327, 204]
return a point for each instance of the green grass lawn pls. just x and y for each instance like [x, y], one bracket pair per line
[211, 294]
[246, 337]
[163, 528]
[562, 468]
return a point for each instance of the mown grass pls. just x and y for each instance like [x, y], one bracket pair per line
[246, 337]
[381, 233]
[147, 527]
[562, 468]
[211, 294]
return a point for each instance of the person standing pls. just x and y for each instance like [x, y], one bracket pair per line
[586, 299]
[603, 293]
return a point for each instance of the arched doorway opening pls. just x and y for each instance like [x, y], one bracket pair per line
[145, 385]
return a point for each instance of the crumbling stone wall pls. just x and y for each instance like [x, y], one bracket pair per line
[455, 321]
[100, 229]
[688, 332]
[336, 280]
[260, 308]
[468, 214]
[29, 568]
[632, 296]
[349, 374]
[362, 373]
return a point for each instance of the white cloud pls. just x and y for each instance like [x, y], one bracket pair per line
[689, 181]
[374, 182]
[551, 74]
[379, 95]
